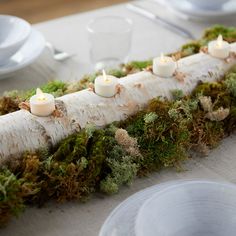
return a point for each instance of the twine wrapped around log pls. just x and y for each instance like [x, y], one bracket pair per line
[21, 131]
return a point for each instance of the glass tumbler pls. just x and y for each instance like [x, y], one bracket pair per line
[110, 41]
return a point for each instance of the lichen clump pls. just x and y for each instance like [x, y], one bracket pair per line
[160, 136]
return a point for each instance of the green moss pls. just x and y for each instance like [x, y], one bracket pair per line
[163, 141]
[139, 65]
[214, 132]
[163, 144]
[116, 152]
[217, 91]
[64, 181]
[190, 48]
[11, 196]
[55, 87]
[119, 73]
[97, 154]
[205, 133]
[8, 104]
[73, 171]
[72, 148]
[134, 124]
[228, 33]
[177, 94]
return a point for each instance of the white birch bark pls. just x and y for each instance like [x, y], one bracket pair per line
[21, 131]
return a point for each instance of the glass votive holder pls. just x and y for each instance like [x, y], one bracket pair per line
[110, 41]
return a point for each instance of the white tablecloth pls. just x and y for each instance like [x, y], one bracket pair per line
[149, 39]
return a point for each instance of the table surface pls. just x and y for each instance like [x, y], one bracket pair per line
[149, 39]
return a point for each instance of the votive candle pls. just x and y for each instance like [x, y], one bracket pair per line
[219, 48]
[42, 104]
[106, 85]
[164, 66]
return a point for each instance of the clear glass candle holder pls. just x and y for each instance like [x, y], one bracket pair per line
[110, 41]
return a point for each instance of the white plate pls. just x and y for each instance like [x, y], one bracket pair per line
[121, 221]
[183, 6]
[189, 208]
[26, 55]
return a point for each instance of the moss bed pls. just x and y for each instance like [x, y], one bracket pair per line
[158, 137]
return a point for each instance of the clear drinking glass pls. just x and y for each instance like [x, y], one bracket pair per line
[110, 41]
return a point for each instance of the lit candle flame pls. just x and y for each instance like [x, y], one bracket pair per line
[163, 58]
[219, 41]
[107, 80]
[40, 95]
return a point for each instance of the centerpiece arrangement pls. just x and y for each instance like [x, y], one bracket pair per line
[97, 137]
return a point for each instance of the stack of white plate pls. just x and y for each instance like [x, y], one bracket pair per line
[20, 44]
[204, 10]
[184, 208]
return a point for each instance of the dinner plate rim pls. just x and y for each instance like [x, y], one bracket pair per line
[28, 58]
[142, 196]
[196, 13]
[173, 186]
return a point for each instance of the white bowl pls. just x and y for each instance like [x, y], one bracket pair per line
[13, 34]
[194, 208]
[208, 4]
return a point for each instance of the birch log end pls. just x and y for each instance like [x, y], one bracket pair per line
[21, 131]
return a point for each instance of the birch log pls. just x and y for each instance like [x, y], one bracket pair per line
[21, 131]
